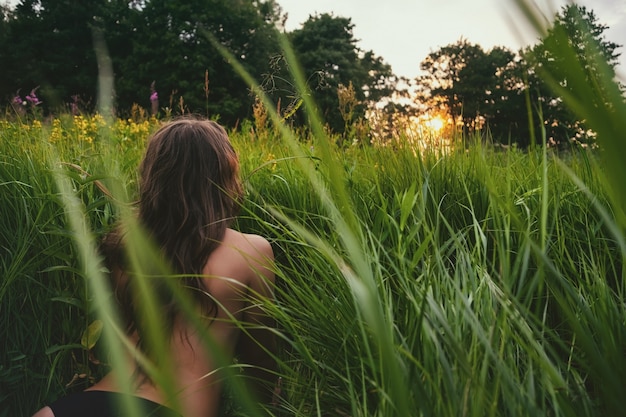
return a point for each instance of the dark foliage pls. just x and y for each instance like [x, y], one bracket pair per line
[514, 96]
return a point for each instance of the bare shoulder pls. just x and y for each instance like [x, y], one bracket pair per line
[253, 247]
[241, 256]
[44, 412]
[254, 244]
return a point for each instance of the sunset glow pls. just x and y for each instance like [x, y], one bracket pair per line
[435, 124]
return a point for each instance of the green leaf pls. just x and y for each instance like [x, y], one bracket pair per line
[91, 335]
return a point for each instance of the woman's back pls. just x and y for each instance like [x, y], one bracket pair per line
[189, 193]
[237, 269]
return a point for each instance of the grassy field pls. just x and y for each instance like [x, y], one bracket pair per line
[475, 283]
[478, 282]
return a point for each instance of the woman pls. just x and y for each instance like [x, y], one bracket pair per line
[189, 194]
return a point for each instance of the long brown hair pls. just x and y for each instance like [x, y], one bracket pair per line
[189, 194]
[189, 190]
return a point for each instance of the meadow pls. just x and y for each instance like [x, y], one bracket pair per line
[472, 282]
[477, 282]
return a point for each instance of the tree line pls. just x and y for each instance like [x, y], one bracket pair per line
[511, 95]
[163, 58]
[162, 50]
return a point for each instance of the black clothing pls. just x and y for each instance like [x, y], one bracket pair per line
[105, 404]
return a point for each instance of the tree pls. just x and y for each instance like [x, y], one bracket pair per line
[497, 87]
[467, 81]
[329, 57]
[172, 48]
[51, 44]
[509, 119]
[6, 16]
[574, 41]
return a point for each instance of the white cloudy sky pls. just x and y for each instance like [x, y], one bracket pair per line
[404, 32]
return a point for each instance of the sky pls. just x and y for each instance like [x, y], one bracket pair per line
[404, 32]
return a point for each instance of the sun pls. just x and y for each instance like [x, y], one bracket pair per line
[435, 124]
[432, 131]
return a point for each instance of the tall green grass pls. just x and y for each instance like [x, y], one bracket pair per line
[495, 300]
[44, 305]
[482, 320]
